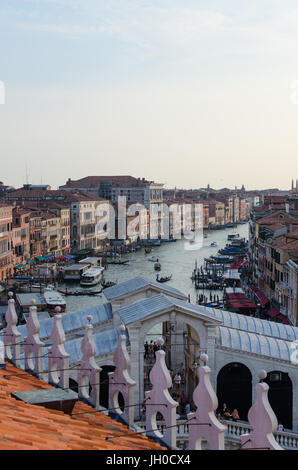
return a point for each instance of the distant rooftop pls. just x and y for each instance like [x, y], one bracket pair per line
[139, 283]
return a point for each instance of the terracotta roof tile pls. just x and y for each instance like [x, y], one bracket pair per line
[30, 427]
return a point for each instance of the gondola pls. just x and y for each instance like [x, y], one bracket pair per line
[79, 292]
[163, 279]
[107, 284]
[118, 262]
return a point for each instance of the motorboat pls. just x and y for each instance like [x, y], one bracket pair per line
[153, 259]
[157, 266]
[92, 276]
[213, 244]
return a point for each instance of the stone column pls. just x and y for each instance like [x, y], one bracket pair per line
[177, 347]
[211, 336]
[137, 363]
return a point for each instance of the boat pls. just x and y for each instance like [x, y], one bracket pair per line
[92, 276]
[157, 266]
[53, 299]
[119, 261]
[106, 284]
[79, 292]
[213, 244]
[153, 259]
[232, 236]
[163, 279]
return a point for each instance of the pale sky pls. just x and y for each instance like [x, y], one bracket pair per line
[183, 92]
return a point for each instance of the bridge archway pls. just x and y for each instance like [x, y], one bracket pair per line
[280, 396]
[234, 388]
[184, 341]
[104, 385]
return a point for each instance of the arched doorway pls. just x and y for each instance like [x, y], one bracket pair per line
[182, 348]
[234, 388]
[104, 385]
[280, 396]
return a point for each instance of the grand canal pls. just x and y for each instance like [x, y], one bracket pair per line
[174, 259]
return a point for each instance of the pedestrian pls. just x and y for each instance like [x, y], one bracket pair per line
[177, 381]
[235, 415]
[187, 408]
[146, 347]
[225, 412]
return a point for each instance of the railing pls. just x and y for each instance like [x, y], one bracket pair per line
[286, 439]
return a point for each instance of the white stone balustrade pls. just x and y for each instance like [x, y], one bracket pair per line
[33, 346]
[88, 370]
[120, 381]
[203, 422]
[159, 400]
[58, 359]
[12, 336]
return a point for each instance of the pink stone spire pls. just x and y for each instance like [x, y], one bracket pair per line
[120, 381]
[58, 357]
[33, 346]
[88, 370]
[159, 400]
[203, 422]
[12, 336]
[262, 419]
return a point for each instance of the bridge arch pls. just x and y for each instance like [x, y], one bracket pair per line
[280, 396]
[234, 388]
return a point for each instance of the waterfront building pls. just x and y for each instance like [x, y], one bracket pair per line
[111, 187]
[291, 288]
[35, 234]
[21, 236]
[6, 253]
[51, 234]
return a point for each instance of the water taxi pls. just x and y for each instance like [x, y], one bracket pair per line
[92, 276]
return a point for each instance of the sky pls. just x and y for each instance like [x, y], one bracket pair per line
[182, 92]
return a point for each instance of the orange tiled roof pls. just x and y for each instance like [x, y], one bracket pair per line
[30, 427]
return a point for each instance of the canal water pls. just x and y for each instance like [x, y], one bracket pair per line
[174, 259]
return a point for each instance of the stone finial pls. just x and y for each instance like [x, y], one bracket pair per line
[159, 400]
[203, 422]
[12, 336]
[263, 421]
[88, 370]
[33, 346]
[58, 357]
[121, 382]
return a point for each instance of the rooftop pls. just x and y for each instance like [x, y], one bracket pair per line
[29, 427]
[139, 283]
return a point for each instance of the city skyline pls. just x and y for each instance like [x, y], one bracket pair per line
[181, 93]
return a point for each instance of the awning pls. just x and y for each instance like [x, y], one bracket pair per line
[286, 321]
[20, 266]
[31, 261]
[273, 312]
[49, 256]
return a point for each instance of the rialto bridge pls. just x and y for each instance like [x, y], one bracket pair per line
[238, 346]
